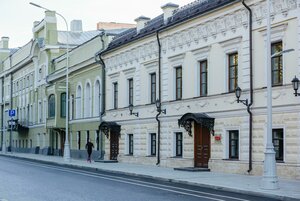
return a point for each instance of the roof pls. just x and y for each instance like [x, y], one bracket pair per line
[77, 38]
[198, 7]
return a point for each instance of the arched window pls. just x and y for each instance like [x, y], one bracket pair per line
[87, 100]
[97, 99]
[63, 105]
[78, 102]
[51, 112]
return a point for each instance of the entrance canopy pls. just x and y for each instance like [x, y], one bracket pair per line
[200, 118]
[109, 127]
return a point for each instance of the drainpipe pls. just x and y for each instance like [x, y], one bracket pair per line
[159, 96]
[102, 106]
[2, 119]
[251, 86]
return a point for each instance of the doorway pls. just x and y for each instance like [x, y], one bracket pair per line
[201, 146]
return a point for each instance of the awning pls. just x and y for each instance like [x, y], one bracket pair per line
[109, 127]
[200, 118]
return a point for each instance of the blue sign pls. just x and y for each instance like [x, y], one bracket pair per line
[12, 113]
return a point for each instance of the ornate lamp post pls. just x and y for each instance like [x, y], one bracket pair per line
[295, 82]
[67, 155]
[158, 107]
[133, 113]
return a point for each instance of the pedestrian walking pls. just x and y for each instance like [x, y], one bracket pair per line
[89, 147]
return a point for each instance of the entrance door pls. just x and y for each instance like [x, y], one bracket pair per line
[201, 146]
[62, 142]
[114, 146]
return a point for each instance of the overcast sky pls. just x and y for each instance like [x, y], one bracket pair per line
[17, 16]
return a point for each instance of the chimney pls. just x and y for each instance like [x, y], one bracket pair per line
[140, 23]
[168, 10]
[4, 42]
[76, 25]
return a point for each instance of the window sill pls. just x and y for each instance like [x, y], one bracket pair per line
[128, 155]
[151, 156]
[176, 157]
[279, 161]
[231, 159]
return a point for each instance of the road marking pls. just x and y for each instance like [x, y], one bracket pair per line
[134, 182]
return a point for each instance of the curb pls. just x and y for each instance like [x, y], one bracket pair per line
[227, 189]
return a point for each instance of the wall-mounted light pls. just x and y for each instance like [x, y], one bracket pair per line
[238, 93]
[133, 113]
[158, 107]
[295, 82]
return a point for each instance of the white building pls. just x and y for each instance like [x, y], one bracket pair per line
[204, 54]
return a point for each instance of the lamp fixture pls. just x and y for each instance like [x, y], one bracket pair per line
[238, 93]
[133, 113]
[295, 82]
[158, 107]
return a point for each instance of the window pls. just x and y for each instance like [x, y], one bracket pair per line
[72, 106]
[233, 144]
[278, 143]
[130, 91]
[115, 95]
[97, 140]
[97, 99]
[87, 101]
[233, 71]
[78, 102]
[203, 78]
[130, 144]
[63, 105]
[178, 83]
[178, 145]
[153, 87]
[153, 144]
[276, 64]
[51, 106]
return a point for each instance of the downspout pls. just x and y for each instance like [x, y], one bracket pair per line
[159, 96]
[102, 92]
[251, 86]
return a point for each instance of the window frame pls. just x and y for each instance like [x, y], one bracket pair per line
[51, 104]
[206, 76]
[178, 144]
[115, 95]
[130, 91]
[279, 63]
[280, 145]
[237, 144]
[152, 144]
[130, 144]
[63, 104]
[234, 66]
[178, 83]
[152, 88]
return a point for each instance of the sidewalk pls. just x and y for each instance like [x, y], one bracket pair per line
[289, 189]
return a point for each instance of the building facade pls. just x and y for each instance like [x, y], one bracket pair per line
[179, 72]
[33, 84]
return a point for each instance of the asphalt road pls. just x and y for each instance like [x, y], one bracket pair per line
[22, 180]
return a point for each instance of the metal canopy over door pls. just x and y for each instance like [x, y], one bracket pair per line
[201, 146]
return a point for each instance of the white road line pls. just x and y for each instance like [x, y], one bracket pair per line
[133, 182]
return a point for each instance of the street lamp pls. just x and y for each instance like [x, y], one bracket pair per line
[133, 113]
[295, 82]
[67, 155]
[269, 180]
[238, 93]
[158, 107]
